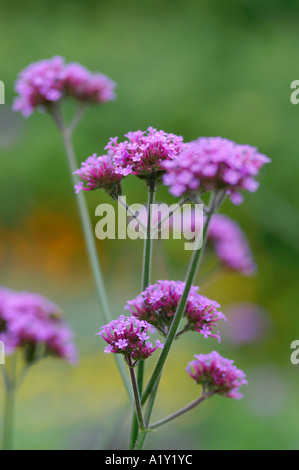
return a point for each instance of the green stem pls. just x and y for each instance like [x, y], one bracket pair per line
[143, 435]
[88, 231]
[180, 412]
[160, 224]
[193, 267]
[9, 406]
[140, 440]
[148, 243]
[129, 211]
[146, 273]
[137, 398]
[153, 384]
[92, 252]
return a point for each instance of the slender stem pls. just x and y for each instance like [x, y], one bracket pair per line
[140, 439]
[9, 405]
[180, 412]
[148, 243]
[143, 434]
[9, 418]
[131, 213]
[92, 251]
[146, 270]
[88, 230]
[77, 117]
[153, 384]
[168, 217]
[147, 259]
[137, 398]
[193, 267]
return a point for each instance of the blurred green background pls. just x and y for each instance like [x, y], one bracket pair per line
[204, 67]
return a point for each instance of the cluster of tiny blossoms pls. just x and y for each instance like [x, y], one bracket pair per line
[217, 375]
[32, 323]
[129, 336]
[144, 153]
[214, 163]
[99, 172]
[47, 81]
[158, 303]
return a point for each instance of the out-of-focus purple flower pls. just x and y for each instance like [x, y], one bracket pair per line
[31, 322]
[157, 305]
[231, 244]
[47, 81]
[214, 163]
[129, 336]
[86, 86]
[39, 84]
[229, 241]
[248, 323]
[99, 172]
[217, 375]
[144, 153]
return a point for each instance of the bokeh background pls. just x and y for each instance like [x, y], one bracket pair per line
[204, 67]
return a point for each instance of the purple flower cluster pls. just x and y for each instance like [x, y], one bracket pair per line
[99, 172]
[214, 163]
[217, 375]
[46, 81]
[129, 336]
[157, 305]
[144, 153]
[33, 323]
[231, 245]
[89, 87]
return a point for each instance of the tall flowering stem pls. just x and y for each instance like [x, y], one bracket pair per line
[147, 260]
[146, 273]
[137, 398]
[10, 389]
[193, 267]
[67, 133]
[151, 389]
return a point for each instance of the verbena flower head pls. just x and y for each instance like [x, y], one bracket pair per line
[86, 86]
[157, 305]
[129, 336]
[217, 375]
[99, 172]
[214, 163]
[32, 323]
[144, 153]
[47, 81]
[39, 84]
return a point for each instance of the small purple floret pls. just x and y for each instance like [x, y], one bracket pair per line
[157, 305]
[217, 375]
[128, 336]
